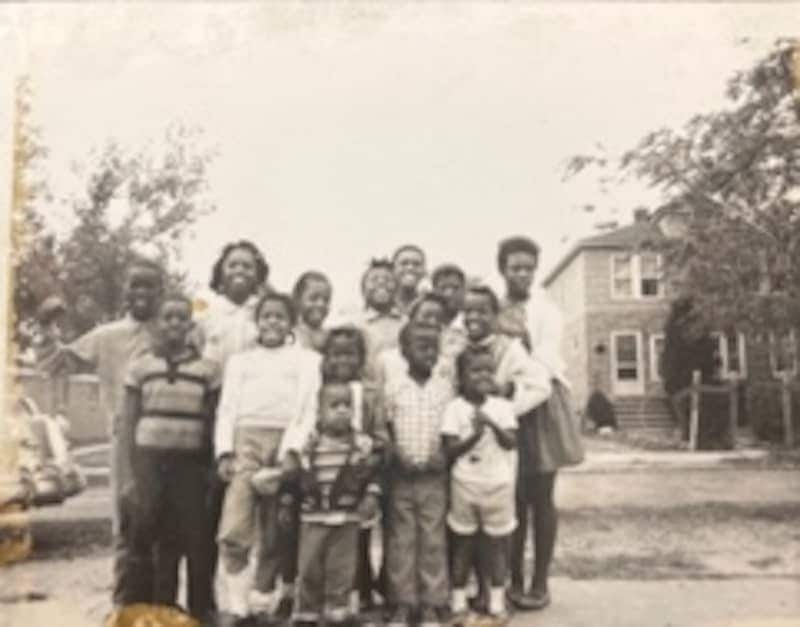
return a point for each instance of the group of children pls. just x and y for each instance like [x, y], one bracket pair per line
[248, 426]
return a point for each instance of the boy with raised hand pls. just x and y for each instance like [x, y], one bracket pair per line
[108, 349]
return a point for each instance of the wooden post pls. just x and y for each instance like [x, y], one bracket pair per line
[694, 411]
[786, 403]
[733, 411]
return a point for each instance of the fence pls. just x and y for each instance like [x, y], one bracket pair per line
[784, 387]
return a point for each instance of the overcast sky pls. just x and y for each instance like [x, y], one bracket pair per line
[346, 130]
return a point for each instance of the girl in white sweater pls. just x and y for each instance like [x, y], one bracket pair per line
[268, 407]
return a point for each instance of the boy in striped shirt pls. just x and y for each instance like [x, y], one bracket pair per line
[337, 490]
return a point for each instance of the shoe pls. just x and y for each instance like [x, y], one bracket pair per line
[478, 604]
[462, 618]
[515, 597]
[284, 610]
[537, 600]
[429, 617]
[400, 617]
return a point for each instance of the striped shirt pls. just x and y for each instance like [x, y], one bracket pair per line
[174, 401]
[325, 462]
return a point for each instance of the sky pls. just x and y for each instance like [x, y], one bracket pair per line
[345, 130]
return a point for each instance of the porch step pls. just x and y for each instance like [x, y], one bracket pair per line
[644, 413]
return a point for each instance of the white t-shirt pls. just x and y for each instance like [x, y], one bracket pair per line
[487, 463]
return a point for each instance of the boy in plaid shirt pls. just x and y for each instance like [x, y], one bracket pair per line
[415, 400]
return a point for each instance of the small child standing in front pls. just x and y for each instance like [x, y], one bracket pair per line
[312, 297]
[336, 489]
[415, 400]
[268, 407]
[343, 360]
[479, 433]
[165, 437]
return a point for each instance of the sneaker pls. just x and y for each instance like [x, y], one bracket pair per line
[284, 609]
[400, 617]
[429, 617]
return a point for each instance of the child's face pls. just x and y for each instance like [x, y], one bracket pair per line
[273, 323]
[479, 375]
[142, 292]
[174, 322]
[422, 350]
[239, 274]
[315, 302]
[519, 271]
[429, 313]
[343, 360]
[379, 287]
[451, 288]
[336, 409]
[409, 268]
[479, 317]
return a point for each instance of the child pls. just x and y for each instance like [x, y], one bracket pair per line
[335, 497]
[268, 406]
[108, 349]
[408, 264]
[479, 430]
[415, 400]
[312, 297]
[343, 361]
[382, 320]
[517, 375]
[165, 437]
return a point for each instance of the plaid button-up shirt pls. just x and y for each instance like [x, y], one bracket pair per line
[415, 412]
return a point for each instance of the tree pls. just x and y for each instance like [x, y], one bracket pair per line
[734, 176]
[135, 201]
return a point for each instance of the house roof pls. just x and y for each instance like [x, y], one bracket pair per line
[642, 231]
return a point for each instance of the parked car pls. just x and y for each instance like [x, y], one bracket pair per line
[44, 454]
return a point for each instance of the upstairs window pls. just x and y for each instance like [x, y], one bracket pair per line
[636, 276]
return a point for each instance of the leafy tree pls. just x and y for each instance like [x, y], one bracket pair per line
[733, 176]
[136, 201]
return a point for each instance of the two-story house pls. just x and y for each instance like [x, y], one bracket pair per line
[615, 302]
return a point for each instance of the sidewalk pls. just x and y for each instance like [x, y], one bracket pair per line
[670, 603]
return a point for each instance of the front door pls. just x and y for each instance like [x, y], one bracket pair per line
[627, 372]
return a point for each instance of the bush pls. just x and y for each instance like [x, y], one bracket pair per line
[764, 406]
[601, 410]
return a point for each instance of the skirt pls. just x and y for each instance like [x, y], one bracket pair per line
[549, 435]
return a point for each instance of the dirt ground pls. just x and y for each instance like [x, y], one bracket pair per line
[722, 525]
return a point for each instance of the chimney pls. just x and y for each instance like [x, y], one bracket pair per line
[640, 215]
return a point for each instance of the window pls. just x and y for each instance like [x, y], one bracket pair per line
[622, 270]
[657, 357]
[730, 354]
[783, 353]
[636, 276]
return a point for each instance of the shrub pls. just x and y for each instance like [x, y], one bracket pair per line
[601, 410]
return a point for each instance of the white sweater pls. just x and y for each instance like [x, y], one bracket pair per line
[269, 387]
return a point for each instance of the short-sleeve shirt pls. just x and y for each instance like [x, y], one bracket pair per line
[414, 412]
[109, 349]
[174, 401]
[487, 463]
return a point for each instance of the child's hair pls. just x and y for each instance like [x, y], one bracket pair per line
[143, 263]
[351, 333]
[304, 279]
[408, 330]
[376, 264]
[448, 269]
[176, 297]
[405, 247]
[516, 244]
[262, 267]
[463, 360]
[279, 297]
[427, 297]
[488, 292]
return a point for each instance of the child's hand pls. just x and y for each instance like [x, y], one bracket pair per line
[437, 463]
[479, 422]
[225, 468]
[368, 508]
[290, 464]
